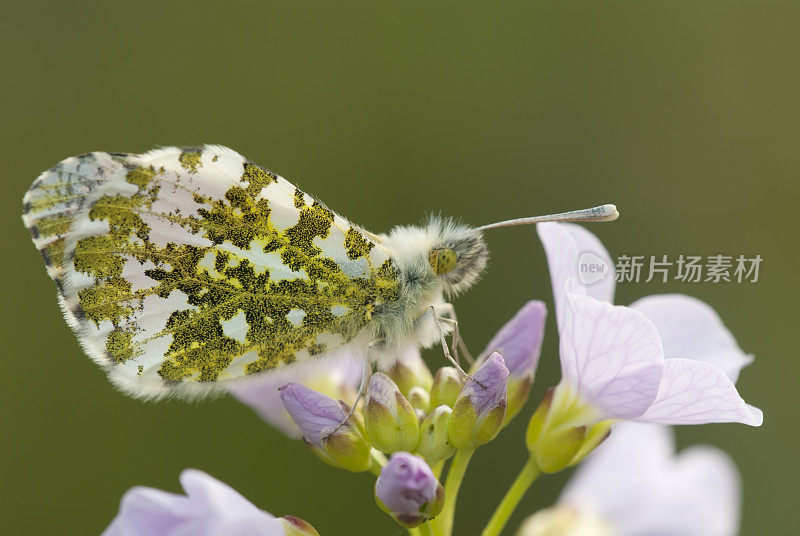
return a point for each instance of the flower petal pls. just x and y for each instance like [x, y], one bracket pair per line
[493, 379]
[569, 248]
[209, 508]
[211, 495]
[690, 328]
[519, 341]
[636, 483]
[406, 484]
[313, 412]
[612, 355]
[337, 376]
[700, 497]
[146, 510]
[623, 474]
[693, 392]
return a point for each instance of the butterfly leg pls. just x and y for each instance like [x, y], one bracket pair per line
[446, 349]
[459, 344]
[366, 374]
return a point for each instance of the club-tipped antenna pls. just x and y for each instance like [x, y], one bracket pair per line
[601, 213]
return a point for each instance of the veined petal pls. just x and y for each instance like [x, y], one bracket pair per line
[693, 392]
[611, 355]
[564, 245]
[691, 328]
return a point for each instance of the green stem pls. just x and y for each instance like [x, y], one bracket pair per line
[437, 468]
[426, 529]
[512, 498]
[443, 524]
[378, 461]
[414, 532]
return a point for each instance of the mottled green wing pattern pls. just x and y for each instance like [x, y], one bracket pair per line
[182, 270]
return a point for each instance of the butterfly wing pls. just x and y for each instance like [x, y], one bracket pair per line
[183, 270]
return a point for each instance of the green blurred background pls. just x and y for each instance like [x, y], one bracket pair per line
[683, 113]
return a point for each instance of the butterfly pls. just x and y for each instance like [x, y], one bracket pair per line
[184, 270]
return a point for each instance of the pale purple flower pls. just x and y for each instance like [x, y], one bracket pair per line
[324, 423]
[391, 422]
[408, 490]
[314, 413]
[209, 508]
[337, 376]
[488, 389]
[635, 485]
[480, 408]
[613, 359]
[690, 328]
[519, 341]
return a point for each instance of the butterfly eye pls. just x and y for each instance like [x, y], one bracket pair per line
[442, 260]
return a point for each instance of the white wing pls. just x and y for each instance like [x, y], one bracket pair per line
[185, 269]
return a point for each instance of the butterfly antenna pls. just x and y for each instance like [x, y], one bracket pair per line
[601, 213]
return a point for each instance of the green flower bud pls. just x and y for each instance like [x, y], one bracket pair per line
[595, 435]
[536, 424]
[419, 399]
[557, 436]
[446, 385]
[391, 422]
[347, 448]
[518, 391]
[409, 371]
[554, 451]
[434, 443]
[481, 406]
[293, 526]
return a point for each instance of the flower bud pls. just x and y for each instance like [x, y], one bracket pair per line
[480, 408]
[520, 343]
[557, 436]
[391, 422]
[595, 435]
[408, 491]
[294, 526]
[446, 385]
[419, 399]
[434, 443]
[410, 370]
[321, 419]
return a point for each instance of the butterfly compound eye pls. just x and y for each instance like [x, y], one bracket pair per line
[442, 260]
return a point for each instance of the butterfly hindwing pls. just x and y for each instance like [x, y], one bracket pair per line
[184, 269]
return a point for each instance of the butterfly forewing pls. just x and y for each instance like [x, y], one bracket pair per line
[183, 269]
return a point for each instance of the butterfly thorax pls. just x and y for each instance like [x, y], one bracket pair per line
[434, 262]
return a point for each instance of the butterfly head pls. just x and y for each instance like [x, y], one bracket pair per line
[458, 256]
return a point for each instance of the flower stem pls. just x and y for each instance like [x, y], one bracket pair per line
[378, 461]
[426, 529]
[413, 532]
[443, 524]
[511, 500]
